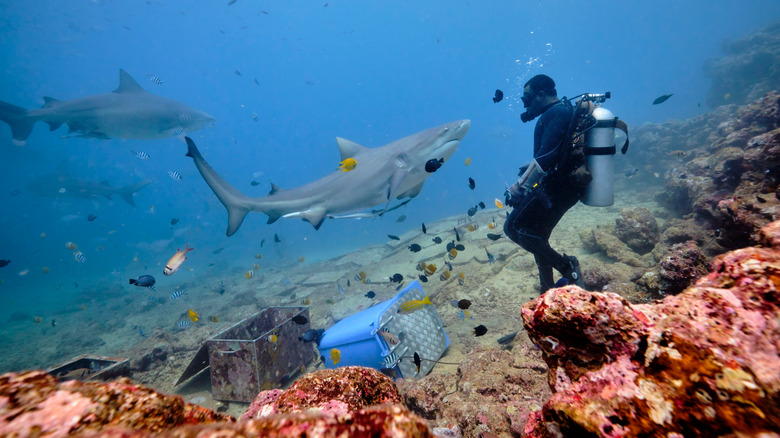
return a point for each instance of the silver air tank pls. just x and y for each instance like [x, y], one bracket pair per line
[600, 153]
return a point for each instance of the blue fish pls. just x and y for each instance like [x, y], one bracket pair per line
[141, 332]
[183, 324]
[630, 172]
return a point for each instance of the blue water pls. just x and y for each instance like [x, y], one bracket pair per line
[368, 71]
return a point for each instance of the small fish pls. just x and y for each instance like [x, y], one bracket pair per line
[237, 73]
[450, 245]
[335, 356]
[348, 283]
[401, 218]
[213, 318]
[183, 324]
[300, 319]
[498, 203]
[492, 225]
[254, 117]
[480, 330]
[312, 335]
[272, 338]
[174, 221]
[156, 80]
[473, 227]
[390, 338]
[423, 278]
[397, 288]
[176, 176]
[472, 183]
[679, 154]
[361, 276]
[503, 340]
[452, 253]
[301, 259]
[193, 315]
[461, 278]
[481, 205]
[472, 211]
[445, 276]
[424, 230]
[370, 294]
[396, 278]
[91, 217]
[464, 304]
[175, 262]
[492, 236]
[417, 361]
[54, 323]
[415, 247]
[255, 80]
[249, 274]
[276, 239]
[412, 306]
[433, 164]
[630, 172]
[348, 164]
[177, 133]
[460, 247]
[491, 258]
[38, 320]
[391, 360]
[144, 281]
[457, 236]
[140, 154]
[178, 294]
[4, 263]
[141, 332]
[62, 190]
[79, 257]
[254, 183]
[662, 99]
[437, 239]
[70, 245]
[499, 95]
[341, 288]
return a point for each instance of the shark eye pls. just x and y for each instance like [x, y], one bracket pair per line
[446, 129]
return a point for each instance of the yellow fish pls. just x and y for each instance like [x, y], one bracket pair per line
[491, 225]
[499, 204]
[468, 161]
[193, 315]
[453, 253]
[272, 338]
[414, 305]
[472, 227]
[430, 269]
[335, 356]
[258, 256]
[461, 278]
[445, 276]
[348, 164]
[249, 274]
[213, 318]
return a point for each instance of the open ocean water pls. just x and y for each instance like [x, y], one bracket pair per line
[283, 80]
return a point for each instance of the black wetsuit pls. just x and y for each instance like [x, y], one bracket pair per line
[533, 218]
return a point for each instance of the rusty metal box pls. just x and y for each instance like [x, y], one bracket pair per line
[88, 367]
[259, 353]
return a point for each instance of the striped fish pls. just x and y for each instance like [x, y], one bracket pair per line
[176, 176]
[79, 257]
[177, 132]
[391, 360]
[176, 295]
[156, 80]
[183, 324]
[141, 154]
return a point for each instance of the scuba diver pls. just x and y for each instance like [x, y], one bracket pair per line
[573, 160]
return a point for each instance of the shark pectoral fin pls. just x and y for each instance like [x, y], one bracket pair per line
[348, 148]
[395, 182]
[411, 193]
[315, 216]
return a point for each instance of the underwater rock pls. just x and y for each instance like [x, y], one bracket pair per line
[495, 391]
[637, 228]
[602, 239]
[748, 68]
[705, 362]
[34, 403]
[682, 264]
[338, 391]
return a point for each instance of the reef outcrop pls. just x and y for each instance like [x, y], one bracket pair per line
[705, 362]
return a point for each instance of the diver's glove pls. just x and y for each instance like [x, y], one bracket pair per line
[513, 195]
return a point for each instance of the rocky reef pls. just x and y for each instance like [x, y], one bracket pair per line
[705, 362]
[749, 68]
[349, 401]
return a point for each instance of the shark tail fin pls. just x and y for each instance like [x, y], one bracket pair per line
[236, 203]
[19, 120]
[127, 191]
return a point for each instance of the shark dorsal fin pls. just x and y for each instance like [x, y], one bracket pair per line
[274, 189]
[49, 101]
[127, 84]
[348, 148]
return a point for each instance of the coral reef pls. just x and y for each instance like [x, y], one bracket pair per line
[337, 391]
[705, 362]
[34, 403]
[678, 268]
[494, 391]
[749, 69]
[637, 228]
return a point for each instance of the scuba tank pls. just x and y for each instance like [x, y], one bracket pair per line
[600, 154]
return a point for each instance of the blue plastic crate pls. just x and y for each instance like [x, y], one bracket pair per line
[357, 336]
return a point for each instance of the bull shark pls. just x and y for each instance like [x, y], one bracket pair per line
[395, 170]
[61, 184]
[128, 112]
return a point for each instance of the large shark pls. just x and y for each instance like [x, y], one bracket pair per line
[61, 184]
[129, 112]
[395, 170]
